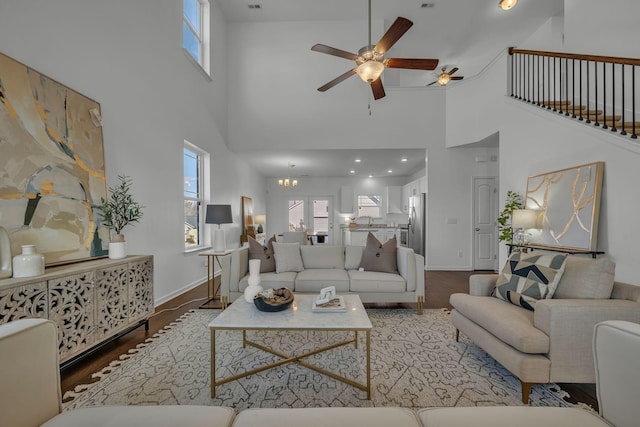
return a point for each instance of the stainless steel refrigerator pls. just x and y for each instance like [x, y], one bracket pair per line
[417, 222]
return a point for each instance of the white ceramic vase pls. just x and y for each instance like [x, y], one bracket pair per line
[117, 250]
[29, 263]
[254, 281]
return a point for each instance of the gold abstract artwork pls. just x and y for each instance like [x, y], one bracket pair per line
[52, 172]
[568, 202]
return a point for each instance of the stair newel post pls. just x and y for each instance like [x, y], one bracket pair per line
[529, 79]
[538, 79]
[555, 86]
[595, 80]
[613, 98]
[512, 69]
[521, 76]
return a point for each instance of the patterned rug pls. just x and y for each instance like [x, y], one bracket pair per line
[415, 363]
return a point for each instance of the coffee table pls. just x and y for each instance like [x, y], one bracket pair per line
[245, 317]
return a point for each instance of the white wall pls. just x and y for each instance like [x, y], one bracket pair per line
[128, 57]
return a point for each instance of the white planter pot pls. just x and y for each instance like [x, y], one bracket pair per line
[28, 263]
[117, 250]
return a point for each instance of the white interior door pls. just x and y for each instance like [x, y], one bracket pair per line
[484, 223]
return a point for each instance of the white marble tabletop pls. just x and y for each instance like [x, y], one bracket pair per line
[244, 315]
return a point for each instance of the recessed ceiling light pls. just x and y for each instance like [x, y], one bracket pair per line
[404, 159]
[370, 176]
[352, 171]
[358, 160]
[390, 171]
[507, 4]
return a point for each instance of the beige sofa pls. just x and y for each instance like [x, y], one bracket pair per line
[30, 394]
[552, 343]
[326, 265]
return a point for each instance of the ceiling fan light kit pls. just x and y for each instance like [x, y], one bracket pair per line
[507, 4]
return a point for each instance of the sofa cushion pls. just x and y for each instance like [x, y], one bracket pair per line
[378, 256]
[263, 253]
[314, 279]
[321, 417]
[353, 257]
[322, 256]
[526, 279]
[509, 323]
[374, 281]
[271, 280]
[287, 257]
[586, 278]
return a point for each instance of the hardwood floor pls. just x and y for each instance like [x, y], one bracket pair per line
[439, 285]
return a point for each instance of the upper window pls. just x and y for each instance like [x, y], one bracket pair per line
[196, 164]
[195, 31]
[369, 205]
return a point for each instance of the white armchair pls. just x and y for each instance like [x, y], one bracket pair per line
[31, 396]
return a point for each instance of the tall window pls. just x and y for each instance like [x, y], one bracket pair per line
[369, 205]
[196, 165]
[195, 31]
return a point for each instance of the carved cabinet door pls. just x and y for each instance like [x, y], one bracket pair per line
[112, 300]
[140, 289]
[72, 307]
[23, 301]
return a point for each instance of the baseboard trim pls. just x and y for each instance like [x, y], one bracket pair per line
[448, 268]
[184, 289]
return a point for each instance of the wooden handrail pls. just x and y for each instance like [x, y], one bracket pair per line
[595, 58]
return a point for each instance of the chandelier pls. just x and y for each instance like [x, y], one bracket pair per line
[288, 182]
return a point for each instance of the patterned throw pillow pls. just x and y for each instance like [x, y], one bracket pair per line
[379, 257]
[263, 253]
[526, 279]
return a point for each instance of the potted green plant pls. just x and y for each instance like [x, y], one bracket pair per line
[513, 202]
[118, 211]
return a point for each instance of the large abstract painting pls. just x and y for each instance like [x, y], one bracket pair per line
[569, 204]
[52, 172]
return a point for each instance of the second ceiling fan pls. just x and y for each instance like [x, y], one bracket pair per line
[370, 60]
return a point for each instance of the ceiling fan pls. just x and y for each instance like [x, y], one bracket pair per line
[370, 60]
[445, 76]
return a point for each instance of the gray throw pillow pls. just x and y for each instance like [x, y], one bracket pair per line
[263, 253]
[288, 257]
[379, 257]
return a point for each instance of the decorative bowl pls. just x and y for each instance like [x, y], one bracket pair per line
[273, 299]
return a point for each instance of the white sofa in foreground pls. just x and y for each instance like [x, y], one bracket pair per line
[325, 265]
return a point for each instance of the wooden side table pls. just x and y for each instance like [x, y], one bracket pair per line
[213, 292]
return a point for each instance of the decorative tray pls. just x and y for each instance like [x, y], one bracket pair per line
[273, 299]
[336, 305]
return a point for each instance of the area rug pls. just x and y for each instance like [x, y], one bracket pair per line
[415, 363]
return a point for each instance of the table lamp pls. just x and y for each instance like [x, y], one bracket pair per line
[260, 219]
[219, 214]
[522, 220]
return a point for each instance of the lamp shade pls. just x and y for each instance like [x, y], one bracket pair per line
[260, 219]
[218, 214]
[524, 218]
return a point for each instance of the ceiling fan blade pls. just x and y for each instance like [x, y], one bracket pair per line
[453, 70]
[337, 80]
[457, 78]
[412, 63]
[393, 34]
[432, 83]
[377, 88]
[333, 51]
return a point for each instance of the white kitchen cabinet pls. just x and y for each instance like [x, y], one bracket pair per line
[405, 198]
[359, 238]
[346, 200]
[394, 199]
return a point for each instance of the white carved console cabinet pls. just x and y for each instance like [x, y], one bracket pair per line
[92, 301]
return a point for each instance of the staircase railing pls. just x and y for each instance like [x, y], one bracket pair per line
[589, 88]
